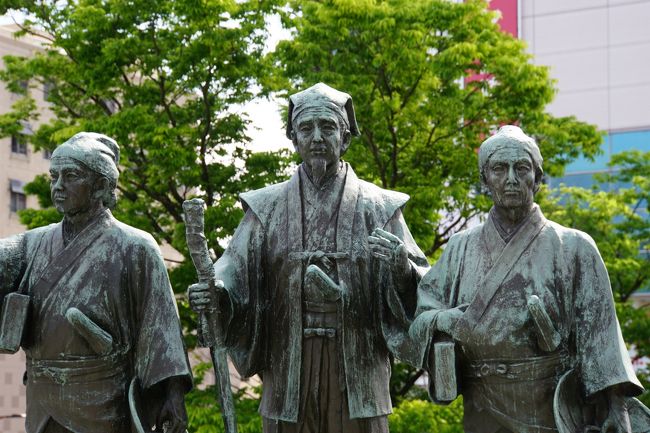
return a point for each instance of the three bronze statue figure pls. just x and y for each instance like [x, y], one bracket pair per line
[321, 284]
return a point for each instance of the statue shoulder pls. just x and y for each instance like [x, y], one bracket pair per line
[382, 201]
[466, 234]
[33, 237]
[263, 201]
[576, 239]
[130, 236]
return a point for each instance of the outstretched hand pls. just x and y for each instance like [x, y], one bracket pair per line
[391, 250]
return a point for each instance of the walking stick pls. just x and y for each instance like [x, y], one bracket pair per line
[209, 320]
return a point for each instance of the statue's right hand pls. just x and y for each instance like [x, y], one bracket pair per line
[446, 320]
[202, 295]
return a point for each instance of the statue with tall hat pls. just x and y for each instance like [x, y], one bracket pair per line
[528, 305]
[90, 303]
[305, 301]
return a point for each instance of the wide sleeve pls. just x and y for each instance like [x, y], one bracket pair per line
[399, 295]
[159, 351]
[12, 263]
[601, 357]
[436, 292]
[240, 268]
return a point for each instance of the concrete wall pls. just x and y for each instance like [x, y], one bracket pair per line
[598, 52]
[24, 168]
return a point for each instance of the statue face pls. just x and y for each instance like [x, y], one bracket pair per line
[318, 137]
[72, 186]
[510, 177]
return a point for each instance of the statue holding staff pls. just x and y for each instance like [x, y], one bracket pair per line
[303, 300]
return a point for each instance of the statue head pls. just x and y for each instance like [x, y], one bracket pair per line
[510, 164]
[320, 124]
[84, 173]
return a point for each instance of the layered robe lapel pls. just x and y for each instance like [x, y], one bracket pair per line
[347, 209]
[508, 256]
[492, 244]
[51, 272]
[294, 245]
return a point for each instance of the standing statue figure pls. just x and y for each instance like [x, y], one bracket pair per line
[304, 302]
[530, 308]
[102, 313]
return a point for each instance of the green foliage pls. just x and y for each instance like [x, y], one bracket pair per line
[204, 415]
[402, 381]
[165, 79]
[419, 416]
[411, 67]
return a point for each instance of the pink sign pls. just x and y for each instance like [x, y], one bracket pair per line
[509, 20]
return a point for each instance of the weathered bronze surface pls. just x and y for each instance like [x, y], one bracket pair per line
[307, 305]
[102, 314]
[527, 302]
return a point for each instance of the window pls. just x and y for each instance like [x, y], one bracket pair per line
[18, 145]
[48, 86]
[18, 197]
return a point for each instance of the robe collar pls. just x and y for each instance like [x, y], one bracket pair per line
[62, 257]
[346, 210]
[502, 231]
[503, 258]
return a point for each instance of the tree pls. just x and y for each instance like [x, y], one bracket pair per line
[430, 80]
[165, 79]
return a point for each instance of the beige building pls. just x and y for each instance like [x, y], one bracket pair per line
[19, 164]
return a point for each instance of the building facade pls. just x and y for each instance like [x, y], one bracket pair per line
[598, 53]
[19, 164]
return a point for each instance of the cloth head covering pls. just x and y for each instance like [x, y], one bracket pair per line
[510, 136]
[321, 96]
[97, 151]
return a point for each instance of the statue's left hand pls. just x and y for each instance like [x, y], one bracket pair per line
[618, 419]
[173, 416]
[389, 248]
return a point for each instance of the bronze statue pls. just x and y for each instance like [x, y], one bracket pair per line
[303, 301]
[102, 315]
[529, 306]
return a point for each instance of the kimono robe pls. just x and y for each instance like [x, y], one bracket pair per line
[507, 380]
[263, 269]
[115, 275]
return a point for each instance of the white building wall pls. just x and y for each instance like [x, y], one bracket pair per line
[598, 53]
[23, 168]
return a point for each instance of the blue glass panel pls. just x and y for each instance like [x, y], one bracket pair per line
[599, 162]
[585, 180]
[634, 140]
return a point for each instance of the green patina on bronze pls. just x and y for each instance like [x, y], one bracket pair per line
[527, 302]
[102, 314]
[319, 282]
